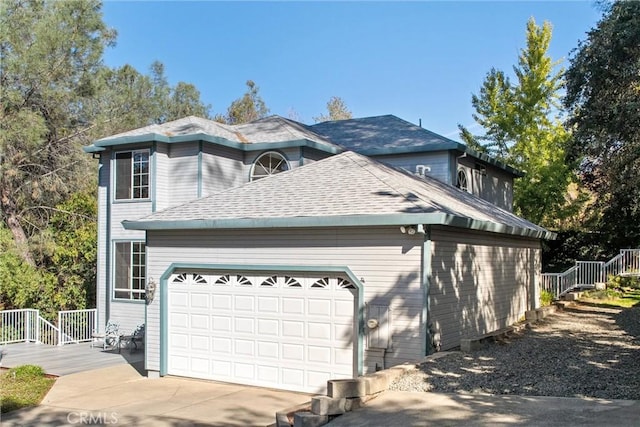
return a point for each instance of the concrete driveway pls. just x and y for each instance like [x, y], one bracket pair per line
[407, 409]
[119, 395]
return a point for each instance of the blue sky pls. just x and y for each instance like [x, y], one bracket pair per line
[416, 60]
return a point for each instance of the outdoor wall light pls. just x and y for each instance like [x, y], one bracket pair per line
[372, 323]
[408, 229]
[150, 290]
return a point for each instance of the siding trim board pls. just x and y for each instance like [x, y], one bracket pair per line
[199, 191]
[340, 221]
[426, 284]
[164, 300]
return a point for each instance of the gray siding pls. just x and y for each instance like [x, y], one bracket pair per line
[437, 163]
[388, 262]
[222, 168]
[162, 177]
[183, 172]
[494, 185]
[129, 314]
[481, 282]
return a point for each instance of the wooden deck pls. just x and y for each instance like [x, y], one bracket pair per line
[67, 359]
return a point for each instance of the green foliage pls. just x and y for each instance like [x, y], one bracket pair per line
[621, 282]
[26, 371]
[248, 108]
[522, 127]
[546, 298]
[64, 278]
[336, 110]
[23, 386]
[603, 97]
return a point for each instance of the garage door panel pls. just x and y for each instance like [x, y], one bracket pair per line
[316, 354]
[244, 347]
[179, 299]
[221, 368]
[244, 303]
[244, 371]
[278, 331]
[199, 321]
[293, 378]
[319, 307]
[221, 302]
[200, 365]
[320, 331]
[292, 305]
[268, 349]
[180, 341]
[268, 327]
[244, 325]
[221, 323]
[221, 345]
[268, 305]
[292, 329]
[199, 300]
[199, 343]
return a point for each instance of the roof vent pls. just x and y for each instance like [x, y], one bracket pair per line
[422, 170]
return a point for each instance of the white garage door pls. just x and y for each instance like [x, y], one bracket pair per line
[283, 331]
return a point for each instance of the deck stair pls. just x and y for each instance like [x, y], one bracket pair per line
[589, 274]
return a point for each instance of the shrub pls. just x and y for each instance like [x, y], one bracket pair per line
[619, 282]
[26, 371]
[546, 298]
[604, 294]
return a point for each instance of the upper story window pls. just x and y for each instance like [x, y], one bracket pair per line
[463, 182]
[132, 175]
[269, 163]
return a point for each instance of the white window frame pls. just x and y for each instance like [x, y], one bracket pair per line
[133, 174]
[466, 188]
[287, 167]
[134, 273]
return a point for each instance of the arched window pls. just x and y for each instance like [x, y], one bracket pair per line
[269, 163]
[462, 182]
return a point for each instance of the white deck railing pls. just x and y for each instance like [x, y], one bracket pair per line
[26, 325]
[76, 325]
[585, 274]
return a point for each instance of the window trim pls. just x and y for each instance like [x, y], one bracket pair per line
[467, 187]
[130, 274]
[131, 186]
[267, 153]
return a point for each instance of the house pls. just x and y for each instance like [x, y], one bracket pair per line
[270, 254]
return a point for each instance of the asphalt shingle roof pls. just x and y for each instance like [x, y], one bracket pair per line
[271, 129]
[370, 134]
[346, 189]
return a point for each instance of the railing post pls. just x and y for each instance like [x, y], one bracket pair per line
[27, 334]
[59, 328]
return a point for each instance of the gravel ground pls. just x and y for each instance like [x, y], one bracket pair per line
[583, 351]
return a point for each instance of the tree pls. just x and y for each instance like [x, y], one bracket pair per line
[246, 109]
[603, 98]
[49, 53]
[523, 127]
[336, 110]
[56, 97]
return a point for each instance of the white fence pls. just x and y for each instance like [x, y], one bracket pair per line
[585, 274]
[26, 325]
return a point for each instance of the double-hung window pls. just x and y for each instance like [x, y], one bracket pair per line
[130, 270]
[132, 175]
